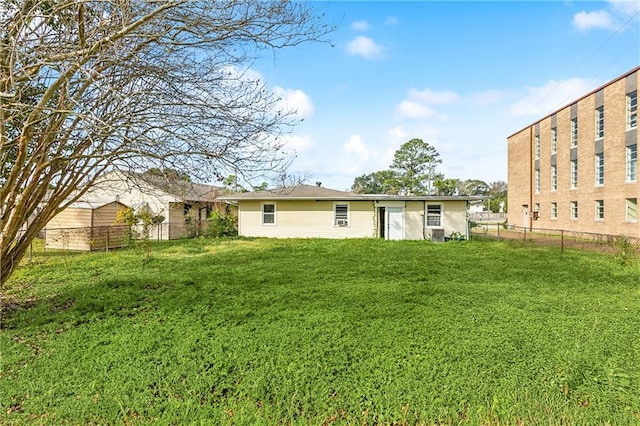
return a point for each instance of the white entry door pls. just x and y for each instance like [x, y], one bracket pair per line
[395, 223]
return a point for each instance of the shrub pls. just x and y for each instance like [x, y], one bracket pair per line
[222, 224]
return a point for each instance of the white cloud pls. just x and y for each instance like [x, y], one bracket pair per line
[414, 110]
[365, 47]
[588, 20]
[356, 146]
[398, 134]
[297, 143]
[360, 25]
[295, 101]
[543, 100]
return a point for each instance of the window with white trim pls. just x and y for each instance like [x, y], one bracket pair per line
[631, 209]
[632, 163]
[434, 215]
[341, 214]
[599, 210]
[554, 210]
[574, 210]
[574, 173]
[554, 140]
[600, 169]
[574, 132]
[537, 147]
[536, 181]
[554, 178]
[600, 122]
[632, 110]
[268, 213]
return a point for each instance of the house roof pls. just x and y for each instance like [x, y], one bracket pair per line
[92, 204]
[185, 190]
[316, 193]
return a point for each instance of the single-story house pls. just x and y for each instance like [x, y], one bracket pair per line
[86, 226]
[180, 206]
[308, 211]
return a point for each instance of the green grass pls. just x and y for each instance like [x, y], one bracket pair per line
[321, 332]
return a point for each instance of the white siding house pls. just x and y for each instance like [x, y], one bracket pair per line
[179, 202]
[308, 211]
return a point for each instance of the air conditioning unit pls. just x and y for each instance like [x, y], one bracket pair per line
[437, 235]
[343, 222]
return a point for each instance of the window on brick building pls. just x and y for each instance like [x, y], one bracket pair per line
[574, 173]
[536, 148]
[536, 182]
[600, 169]
[600, 122]
[554, 210]
[632, 163]
[632, 209]
[554, 140]
[632, 110]
[554, 178]
[599, 210]
[574, 210]
[574, 132]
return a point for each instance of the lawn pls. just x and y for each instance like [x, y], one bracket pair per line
[321, 332]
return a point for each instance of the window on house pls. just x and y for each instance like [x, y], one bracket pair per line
[632, 209]
[186, 209]
[268, 214]
[574, 210]
[599, 209]
[537, 147]
[434, 215]
[341, 214]
[554, 140]
[554, 210]
[537, 180]
[600, 169]
[600, 122]
[574, 173]
[574, 132]
[632, 163]
[632, 110]
[554, 177]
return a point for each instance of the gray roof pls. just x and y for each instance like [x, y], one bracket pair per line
[313, 192]
[185, 190]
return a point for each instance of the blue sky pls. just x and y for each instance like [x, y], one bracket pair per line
[459, 75]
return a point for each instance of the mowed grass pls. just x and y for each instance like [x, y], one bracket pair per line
[323, 332]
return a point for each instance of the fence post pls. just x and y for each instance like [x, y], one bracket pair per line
[562, 241]
[498, 227]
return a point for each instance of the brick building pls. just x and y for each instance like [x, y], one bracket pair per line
[577, 168]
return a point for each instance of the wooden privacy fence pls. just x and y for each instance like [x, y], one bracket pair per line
[560, 238]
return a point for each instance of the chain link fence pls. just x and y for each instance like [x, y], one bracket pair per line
[70, 241]
[563, 239]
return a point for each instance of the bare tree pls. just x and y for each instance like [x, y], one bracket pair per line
[89, 86]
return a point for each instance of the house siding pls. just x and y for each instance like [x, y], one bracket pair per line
[306, 219]
[414, 220]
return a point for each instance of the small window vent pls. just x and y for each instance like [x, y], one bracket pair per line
[437, 235]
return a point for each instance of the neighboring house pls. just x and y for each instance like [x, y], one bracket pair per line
[308, 211]
[577, 168]
[86, 226]
[183, 206]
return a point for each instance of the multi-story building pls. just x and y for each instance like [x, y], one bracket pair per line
[577, 168]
